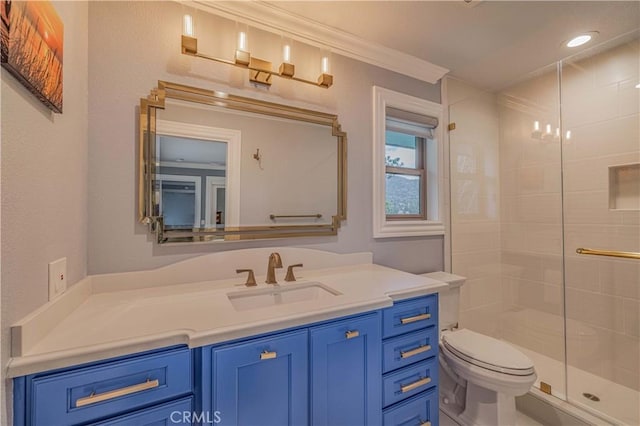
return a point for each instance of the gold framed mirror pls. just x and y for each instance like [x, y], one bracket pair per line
[220, 167]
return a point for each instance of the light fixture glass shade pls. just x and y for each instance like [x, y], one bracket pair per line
[579, 40]
[286, 54]
[324, 65]
[187, 26]
[242, 41]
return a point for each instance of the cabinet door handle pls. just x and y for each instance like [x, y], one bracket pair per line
[268, 355]
[416, 351]
[351, 334]
[94, 398]
[420, 317]
[424, 423]
[415, 385]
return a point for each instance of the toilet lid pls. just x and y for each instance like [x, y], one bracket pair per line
[487, 352]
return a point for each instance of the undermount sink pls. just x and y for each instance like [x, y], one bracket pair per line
[277, 295]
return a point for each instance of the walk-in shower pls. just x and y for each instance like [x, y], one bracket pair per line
[540, 169]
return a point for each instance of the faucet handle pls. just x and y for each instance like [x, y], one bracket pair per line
[251, 278]
[290, 276]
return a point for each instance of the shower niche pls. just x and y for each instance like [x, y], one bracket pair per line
[624, 187]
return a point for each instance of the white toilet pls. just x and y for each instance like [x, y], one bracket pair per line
[479, 376]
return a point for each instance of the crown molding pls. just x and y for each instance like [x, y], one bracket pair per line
[271, 18]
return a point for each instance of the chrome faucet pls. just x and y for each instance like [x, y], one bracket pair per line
[274, 262]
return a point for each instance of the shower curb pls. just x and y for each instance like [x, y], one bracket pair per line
[551, 411]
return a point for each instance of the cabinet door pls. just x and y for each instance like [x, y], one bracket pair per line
[263, 382]
[346, 372]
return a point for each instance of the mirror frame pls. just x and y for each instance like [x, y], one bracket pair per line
[147, 166]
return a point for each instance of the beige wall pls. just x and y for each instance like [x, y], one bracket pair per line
[134, 44]
[44, 182]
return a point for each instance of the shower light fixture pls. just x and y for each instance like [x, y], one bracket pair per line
[260, 71]
[548, 135]
[581, 39]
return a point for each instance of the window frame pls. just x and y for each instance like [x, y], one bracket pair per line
[419, 170]
[432, 193]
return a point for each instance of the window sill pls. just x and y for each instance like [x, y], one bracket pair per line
[408, 228]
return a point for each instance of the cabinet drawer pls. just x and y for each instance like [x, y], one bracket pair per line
[177, 412]
[415, 314]
[421, 410]
[95, 392]
[409, 348]
[409, 381]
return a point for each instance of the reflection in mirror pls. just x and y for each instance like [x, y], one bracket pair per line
[226, 168]
[190, 182]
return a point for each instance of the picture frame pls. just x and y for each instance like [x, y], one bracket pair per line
[32, 40]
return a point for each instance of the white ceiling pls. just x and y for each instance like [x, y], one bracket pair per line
[488, 43]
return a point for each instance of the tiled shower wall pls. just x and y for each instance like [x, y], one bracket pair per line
[507, 205]
[475, 211]
[600, 107]
[531, 209]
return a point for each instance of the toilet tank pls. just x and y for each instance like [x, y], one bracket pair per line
[448, 299]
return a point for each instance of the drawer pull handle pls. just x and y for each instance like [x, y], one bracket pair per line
[424, 423]
[351, 334]
[416, 351]
[420, 317]
[415, 385]
[94, 398]
[268, 355]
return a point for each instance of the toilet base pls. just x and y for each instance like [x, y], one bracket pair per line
[471, 405]
[487, 407]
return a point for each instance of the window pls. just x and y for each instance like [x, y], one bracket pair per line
[407, 166]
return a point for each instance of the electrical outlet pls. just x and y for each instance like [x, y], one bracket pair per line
[57, 277]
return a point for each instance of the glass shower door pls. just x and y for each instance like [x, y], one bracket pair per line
[600, 96]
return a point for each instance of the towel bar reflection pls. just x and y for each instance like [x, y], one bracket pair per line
[610, 253]
[292, 216]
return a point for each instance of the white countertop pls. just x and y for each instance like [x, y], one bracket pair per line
[102, 324]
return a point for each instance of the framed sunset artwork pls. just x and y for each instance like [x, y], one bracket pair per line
[32, 40]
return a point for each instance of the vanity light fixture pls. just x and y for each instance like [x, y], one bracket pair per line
[260, 71]
[638, 86]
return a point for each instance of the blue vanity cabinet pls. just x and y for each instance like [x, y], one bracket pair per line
[261, 382]
[410, 362]
[345, 371]
[106, 390]
[375, 368]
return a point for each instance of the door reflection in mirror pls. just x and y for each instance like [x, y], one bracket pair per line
[190, 182]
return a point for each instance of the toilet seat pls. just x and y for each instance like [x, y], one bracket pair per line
[488, 353]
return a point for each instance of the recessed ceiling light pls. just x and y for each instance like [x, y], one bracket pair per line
[581, 39]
